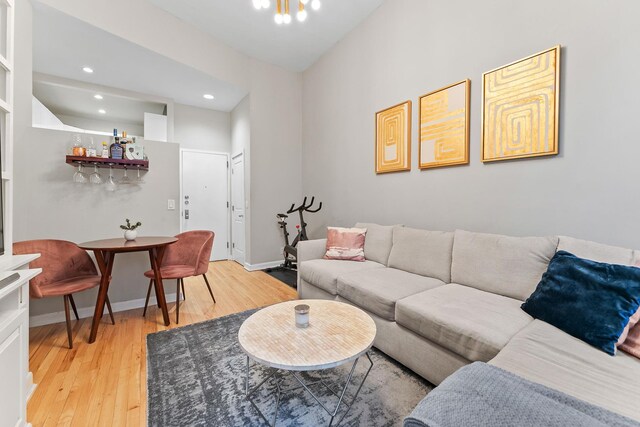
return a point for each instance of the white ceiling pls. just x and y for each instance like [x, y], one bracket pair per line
[80, 102]
[295, 46]
[62, 45]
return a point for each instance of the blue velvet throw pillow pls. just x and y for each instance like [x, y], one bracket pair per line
[589, 300]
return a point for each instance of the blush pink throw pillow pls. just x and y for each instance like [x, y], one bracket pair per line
[629, 341]
[633, 321]
[345, 243]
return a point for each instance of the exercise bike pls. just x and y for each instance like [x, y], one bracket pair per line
[290, 251]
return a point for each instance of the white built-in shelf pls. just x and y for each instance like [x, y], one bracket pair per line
[7, 176]
[15, 262]
[25, 276]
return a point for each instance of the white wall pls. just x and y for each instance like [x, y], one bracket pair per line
[153, 28]
[156, 127]
[240, 143]
[202, 129]
[49, 205]
[276, 120]
[106, 126]
[241, 126]
[275, 95]
[409, 47]
[42, 117]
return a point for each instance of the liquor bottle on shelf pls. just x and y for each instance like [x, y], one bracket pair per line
[91, 150]
[78, 147]
[105, 150]
[116, 150]
[124, 140]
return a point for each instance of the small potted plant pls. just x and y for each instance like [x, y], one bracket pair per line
[130, 232]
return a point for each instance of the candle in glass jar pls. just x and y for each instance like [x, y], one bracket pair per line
[302, 315]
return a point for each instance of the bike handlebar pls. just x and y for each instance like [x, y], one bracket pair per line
[314, 210]
[304, 207]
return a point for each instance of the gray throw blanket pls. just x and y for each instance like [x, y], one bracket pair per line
[484, 395]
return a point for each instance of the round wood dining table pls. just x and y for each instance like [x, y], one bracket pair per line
[105, 252]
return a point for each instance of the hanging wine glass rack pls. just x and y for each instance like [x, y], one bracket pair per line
[104, 163]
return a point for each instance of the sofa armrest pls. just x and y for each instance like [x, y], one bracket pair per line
[311, 249]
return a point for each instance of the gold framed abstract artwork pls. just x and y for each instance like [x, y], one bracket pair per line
[393, 138]
[444, 126]
[521, 102]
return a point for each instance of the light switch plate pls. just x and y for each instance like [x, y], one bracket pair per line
[171, 205]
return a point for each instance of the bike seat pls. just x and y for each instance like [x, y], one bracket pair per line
[282, 216]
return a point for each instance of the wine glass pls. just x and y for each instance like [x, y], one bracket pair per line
[80, 177]
[95, 177]
[125, 180]
[111, 184]
[140, 180]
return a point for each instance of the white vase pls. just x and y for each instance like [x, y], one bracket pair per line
[130, 234]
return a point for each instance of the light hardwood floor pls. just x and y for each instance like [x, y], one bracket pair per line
[104, 384]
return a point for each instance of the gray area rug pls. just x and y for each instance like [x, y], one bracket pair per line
[196, 374]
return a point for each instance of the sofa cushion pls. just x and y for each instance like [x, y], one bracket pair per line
[473, 323]
[587, 299]
[323, 273]
[596, 251]
[377, 290]
[504, 265]
[423, 252]
[378, 241]
[544, 354]
[345, 243]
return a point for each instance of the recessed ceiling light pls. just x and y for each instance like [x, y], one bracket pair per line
[87, 70]
[101, 111]
[207, 96]
[97, 96]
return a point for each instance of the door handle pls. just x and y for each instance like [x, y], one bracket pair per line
[186, 214]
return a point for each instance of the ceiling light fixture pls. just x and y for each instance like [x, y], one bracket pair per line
[87, 70]
[278, 18]
[101, 111]
[208, 96]
[97, 96]
[262, 4]
[287, 16]
[283, 12]
[302, 14]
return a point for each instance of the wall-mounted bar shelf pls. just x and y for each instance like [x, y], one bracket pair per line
[105, 163]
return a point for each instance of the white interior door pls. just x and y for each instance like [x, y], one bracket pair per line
[205, 197]
[237, 209]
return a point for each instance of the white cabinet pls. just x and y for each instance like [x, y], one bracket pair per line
[16, 382]
[10, 357]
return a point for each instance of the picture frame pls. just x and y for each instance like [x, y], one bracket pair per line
[521, 107]
[444, 126]
[393, 139]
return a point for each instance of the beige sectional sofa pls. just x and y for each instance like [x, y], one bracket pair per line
[442, 300]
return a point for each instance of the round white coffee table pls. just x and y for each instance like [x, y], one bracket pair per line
[337, 334]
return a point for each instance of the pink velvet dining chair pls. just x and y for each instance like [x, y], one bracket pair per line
[66, 270]
[188, 257]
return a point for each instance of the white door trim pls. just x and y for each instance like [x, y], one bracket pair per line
[244, 202]
[181, 204]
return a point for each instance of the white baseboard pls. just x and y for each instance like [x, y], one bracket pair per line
[262, 265]
[49, 318]
[30, 386]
